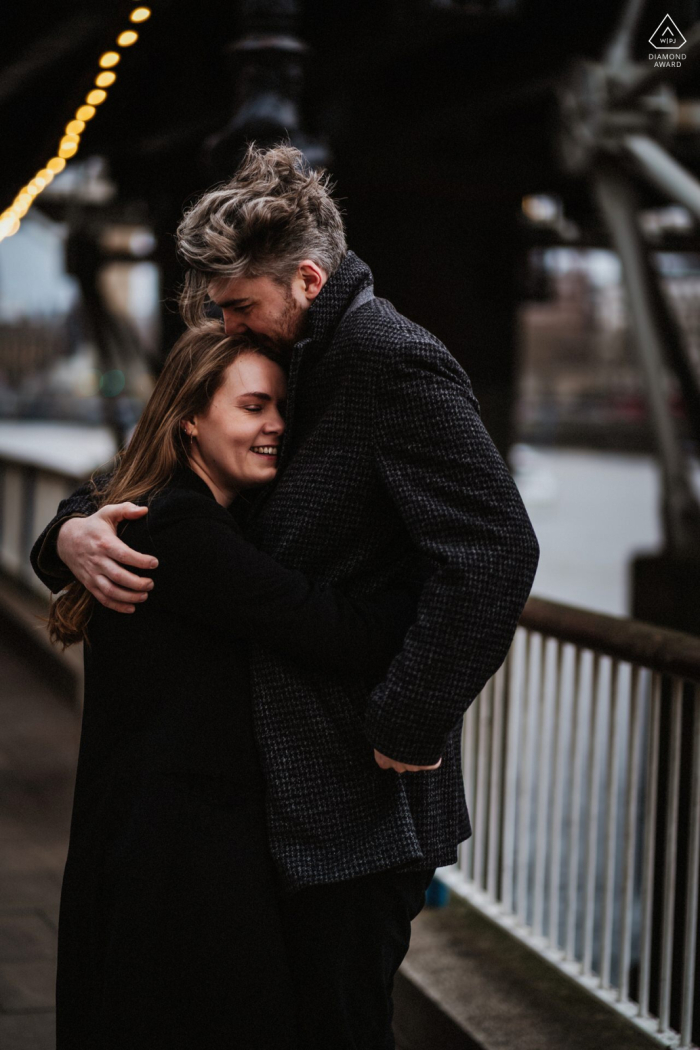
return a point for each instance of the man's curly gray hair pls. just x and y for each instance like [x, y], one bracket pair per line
[274, 212]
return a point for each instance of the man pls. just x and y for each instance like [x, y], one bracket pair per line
[384, 456]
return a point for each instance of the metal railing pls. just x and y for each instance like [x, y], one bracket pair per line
[29, 495]
[582, 770]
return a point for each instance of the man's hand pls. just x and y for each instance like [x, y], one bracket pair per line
[400, 767]
[95, 555]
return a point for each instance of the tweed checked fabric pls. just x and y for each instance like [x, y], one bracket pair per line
[384, 459]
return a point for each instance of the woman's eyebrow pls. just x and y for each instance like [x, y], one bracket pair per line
[258, 394]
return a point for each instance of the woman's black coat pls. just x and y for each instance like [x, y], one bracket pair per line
[168, 932]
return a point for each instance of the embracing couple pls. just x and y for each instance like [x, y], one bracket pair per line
[305, 566]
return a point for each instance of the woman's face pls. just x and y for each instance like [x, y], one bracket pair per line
[236, 439]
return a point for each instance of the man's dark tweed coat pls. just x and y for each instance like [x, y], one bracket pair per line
[384, 454]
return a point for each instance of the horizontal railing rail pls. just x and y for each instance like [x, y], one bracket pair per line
[656, 648]
[582, 770]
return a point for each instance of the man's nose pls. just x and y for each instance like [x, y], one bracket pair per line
[233, 325]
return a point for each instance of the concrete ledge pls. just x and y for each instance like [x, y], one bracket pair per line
[21, 616]
[466, 985]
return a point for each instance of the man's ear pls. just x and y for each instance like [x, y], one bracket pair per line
[312, 278]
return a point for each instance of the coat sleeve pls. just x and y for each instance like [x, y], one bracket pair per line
[44, 556]
[209, 573]
[460, 506]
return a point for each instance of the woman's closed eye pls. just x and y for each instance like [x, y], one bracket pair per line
[281, 407]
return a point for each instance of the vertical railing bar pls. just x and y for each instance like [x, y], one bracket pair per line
[574, 808]
[495, 801]
[543, 778]
[476, 722]
[669, 895]
[650, 818]
[630, 833]
[482, 827]
[594, 761]
[512, 766]
[524, 792]
[610, 826]
[691, 897]
[557, 803]
[466, 848]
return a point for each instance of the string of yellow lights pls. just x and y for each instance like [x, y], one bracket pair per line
[11, 218]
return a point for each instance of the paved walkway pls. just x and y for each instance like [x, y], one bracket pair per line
[38, 748]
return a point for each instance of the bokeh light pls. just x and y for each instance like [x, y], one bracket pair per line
[69, 145]
[9, 224]
[109, 59]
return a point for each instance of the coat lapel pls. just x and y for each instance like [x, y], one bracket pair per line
[292, 387]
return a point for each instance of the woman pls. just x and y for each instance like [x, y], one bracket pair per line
[168, 931]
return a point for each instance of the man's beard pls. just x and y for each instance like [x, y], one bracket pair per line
[289, 327]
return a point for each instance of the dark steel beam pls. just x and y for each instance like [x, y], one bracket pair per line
[617, 202]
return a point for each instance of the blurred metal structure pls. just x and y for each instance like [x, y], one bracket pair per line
[581, 847]
[617, 121]
[268, 60]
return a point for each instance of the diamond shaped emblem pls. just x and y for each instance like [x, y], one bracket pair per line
[667, 36]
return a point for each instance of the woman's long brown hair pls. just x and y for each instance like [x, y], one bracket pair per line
[193, 372]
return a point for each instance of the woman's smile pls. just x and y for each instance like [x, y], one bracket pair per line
[266, 450]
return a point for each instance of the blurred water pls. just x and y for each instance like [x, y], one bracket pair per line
[592, 512]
